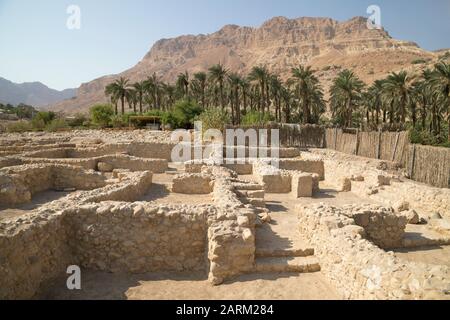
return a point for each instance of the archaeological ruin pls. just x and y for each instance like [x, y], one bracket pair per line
[114, 202]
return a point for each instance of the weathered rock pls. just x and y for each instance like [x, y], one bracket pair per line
[412, 216]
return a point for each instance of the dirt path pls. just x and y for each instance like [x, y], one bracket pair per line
[192, 286]
[38, 200]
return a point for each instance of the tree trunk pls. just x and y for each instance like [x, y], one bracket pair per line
[448, 136]
[123, 104]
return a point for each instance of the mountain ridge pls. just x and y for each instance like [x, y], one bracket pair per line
[279, 43]
[32, 93]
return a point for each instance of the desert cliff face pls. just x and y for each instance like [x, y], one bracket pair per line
[279, 43]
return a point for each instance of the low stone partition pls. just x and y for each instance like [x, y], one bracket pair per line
[192, 183]
[113, 237]
[36, 146]
[356, 266]
[139, 237]
[127, 186]
[89, 230]
[33, 250]
[90, 159]
[308, 166]
[18, 184]
[299, 184]
[136, 149]
[261, 152]
[232, 233]
[364, 179]
[111, 162]
[273, 179]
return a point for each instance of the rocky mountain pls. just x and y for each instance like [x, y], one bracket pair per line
[32, 93]
[280, 44]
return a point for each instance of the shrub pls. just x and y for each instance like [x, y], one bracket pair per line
[184, 113]
[126, 117]
[424, 137]
[419, 61]
[256, 118]
[19, 126]
[79, 120]
[42, 119]
[56, 125]
[214, 119]
[101, 114]
[118, 121]
[38, 124]
[45, 116]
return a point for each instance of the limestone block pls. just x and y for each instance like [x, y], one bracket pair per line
[344, 185]
[104, 167]
[401, 206]
[192, 184]
[412, 216]
[302, 185]
[276, 183]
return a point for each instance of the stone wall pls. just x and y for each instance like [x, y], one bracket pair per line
[368, 181]
[32, 251]
[89, 230]
[139, 237]
[356, 266]
[232, 233]
[192, 183]
[19, 184]
[308, 166]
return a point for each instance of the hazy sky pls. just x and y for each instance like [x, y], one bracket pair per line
[36, 45]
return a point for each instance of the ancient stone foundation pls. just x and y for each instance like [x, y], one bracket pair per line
[89, 230]
[344, 240]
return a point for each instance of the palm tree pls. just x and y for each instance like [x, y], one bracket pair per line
[375, 100]
[111, 92]
[345, 95]
[400, 86]
[132, 99]
[287, 97]
[235, 81]
[119, 90]
[275, 90]
[441, 82]
[260, 75]
[217, 74]
[245, 89]
[183, 83]
[139, 88]
[307, 90]
[199, 85]
[169, 94]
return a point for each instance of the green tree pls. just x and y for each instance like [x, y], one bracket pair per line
[345, 96]
[101, 114]
[441, 81]
[119, 90]
[260, 75]
[217, 74]
[399, 85]
[139, 88]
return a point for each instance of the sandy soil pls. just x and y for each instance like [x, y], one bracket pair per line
[38, 200]
[160, 193]
[430, 255]
[193, 286]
